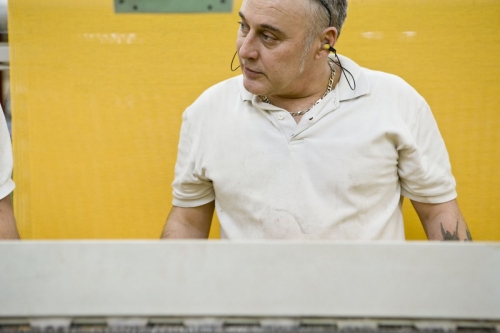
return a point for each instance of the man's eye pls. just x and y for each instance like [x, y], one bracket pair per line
[267, 37]
[243, 26]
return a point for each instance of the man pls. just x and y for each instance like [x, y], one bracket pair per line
[308, 146]
[8, 229]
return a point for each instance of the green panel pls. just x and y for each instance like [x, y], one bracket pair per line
[173, 6]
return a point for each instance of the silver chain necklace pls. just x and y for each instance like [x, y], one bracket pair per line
[328, 89]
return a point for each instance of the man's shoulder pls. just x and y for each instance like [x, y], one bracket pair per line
[374, 77]
[228, 88]
[377, 77]
[392, 84]
[372, 83]
[217, 100]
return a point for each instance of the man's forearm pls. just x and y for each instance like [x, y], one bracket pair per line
[8, 228]
[443, 221]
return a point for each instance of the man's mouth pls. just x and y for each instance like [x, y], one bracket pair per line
[250, 72]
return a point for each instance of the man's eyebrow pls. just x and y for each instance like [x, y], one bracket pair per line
[264, 26]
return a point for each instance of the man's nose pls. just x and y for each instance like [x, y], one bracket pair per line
[248, 49]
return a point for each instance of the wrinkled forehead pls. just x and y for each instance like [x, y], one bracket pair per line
[282, 13]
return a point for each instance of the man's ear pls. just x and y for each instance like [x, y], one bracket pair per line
[328, 39]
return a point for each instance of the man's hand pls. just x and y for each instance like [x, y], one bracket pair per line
[189, 222]
[442, 221]
[8, 228]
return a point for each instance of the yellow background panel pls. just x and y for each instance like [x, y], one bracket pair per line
[97, 99]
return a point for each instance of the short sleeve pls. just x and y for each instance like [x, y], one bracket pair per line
[191, 187]
[6, 183]
[424, 166]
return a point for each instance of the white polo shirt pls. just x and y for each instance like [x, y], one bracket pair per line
[338, 174]
[6, 183]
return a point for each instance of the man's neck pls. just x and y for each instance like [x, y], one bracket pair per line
[312, 93]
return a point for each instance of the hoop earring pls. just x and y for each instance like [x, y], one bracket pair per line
[232, 61]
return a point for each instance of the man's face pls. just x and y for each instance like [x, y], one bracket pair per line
[270, 45]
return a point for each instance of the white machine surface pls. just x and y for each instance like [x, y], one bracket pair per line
[280, 283]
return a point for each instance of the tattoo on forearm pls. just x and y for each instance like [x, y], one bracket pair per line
[469, 237]
[454, 236]
[449, 236]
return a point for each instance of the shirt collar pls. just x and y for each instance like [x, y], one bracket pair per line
[345, 92]
[245, 94]
[362, 83]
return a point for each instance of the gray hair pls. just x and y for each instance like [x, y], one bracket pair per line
[321, 15]
[319, 20]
